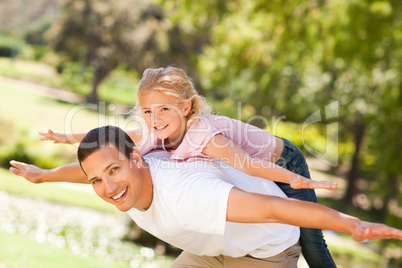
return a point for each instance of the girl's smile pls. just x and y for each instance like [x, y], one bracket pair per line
[161, 127]
[165, 116]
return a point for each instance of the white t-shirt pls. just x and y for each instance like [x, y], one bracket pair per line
[189, 210]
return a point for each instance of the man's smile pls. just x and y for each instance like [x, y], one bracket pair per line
[119, 195]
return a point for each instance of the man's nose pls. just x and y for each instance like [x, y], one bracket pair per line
[110, 185]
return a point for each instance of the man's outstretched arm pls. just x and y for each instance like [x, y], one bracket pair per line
[248, 207]
[67, 173]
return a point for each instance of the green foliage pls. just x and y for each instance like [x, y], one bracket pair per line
[14, 47]
[36, 35]
[7, 45]
[23, 150]
[17, 152]
[101, 35]
[120, 87]
[17, 145]
[293, 59]
[40, 51]
[11, 147]
[76, 77]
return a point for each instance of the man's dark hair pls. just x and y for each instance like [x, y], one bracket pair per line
[102, 137]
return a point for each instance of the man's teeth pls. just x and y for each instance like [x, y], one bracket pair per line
[120, 194]
[161, 127]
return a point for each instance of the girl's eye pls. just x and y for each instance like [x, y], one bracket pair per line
[147, 112]
[164, 109]
[114, 169]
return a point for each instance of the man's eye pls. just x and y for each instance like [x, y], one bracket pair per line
[147, 112]
[95, 181]
[164, 109]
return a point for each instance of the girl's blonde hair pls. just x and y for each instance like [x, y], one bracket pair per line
[174, 82]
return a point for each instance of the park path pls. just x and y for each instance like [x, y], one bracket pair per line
[51, 92]
[43, 90]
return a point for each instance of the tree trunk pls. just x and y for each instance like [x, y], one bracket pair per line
[93, 96]
[99, 75]
[392, 193]
[353, 173]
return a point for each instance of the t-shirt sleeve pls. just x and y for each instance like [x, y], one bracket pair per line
[148, 143]
[195, 140]
[202, 204]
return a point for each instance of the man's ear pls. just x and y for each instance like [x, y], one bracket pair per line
[186, 108]
[136, 157]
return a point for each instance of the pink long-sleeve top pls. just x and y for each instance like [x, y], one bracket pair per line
[255, 141]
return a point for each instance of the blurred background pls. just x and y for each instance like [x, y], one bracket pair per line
[325, 74]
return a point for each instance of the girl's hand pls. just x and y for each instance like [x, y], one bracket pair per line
[31, 173]
[55, 137]
[300, 182]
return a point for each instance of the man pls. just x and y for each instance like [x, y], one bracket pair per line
[200, 208]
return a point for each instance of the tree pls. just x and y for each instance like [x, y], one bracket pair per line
[353, 55]
[292, 58]
[103, 34]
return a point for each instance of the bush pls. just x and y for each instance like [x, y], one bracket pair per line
[7, 46]
[13, 47]
[17, 145]
[39, 52]
[13, 145]
[36, 34]
[18, 152]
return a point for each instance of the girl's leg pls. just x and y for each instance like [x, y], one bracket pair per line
[313, 245]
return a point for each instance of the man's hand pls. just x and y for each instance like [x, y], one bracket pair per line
[31, 173]
[55, 137]
[300, 182]
[370, 231]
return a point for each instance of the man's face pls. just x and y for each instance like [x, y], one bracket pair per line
[114, 177]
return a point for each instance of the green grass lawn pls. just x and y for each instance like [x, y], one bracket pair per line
[52, 192]
[35, 112]
[19, 251]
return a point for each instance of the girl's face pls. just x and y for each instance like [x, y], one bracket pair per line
[165, 116]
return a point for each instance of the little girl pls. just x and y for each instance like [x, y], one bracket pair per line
[180, 121]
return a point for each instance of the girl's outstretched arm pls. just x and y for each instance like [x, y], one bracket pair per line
[225, 150]
[61, 138]
[68, 173]
[135, 135]
[248, 207]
